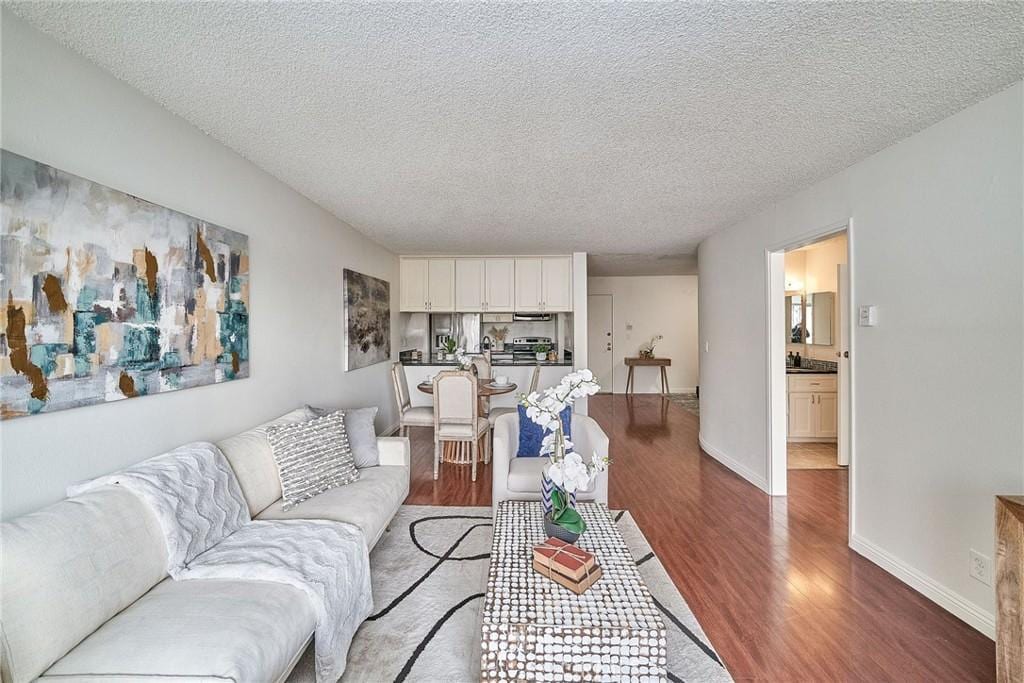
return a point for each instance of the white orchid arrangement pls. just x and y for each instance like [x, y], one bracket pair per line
[567, 470]
[464, 361]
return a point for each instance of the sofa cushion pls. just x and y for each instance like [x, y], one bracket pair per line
[369, 503]
[229, 630]
[70, 567]
[312, 457]
[524, 475]
[252, 460]
[362, 435]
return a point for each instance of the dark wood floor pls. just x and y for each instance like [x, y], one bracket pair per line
[772, 581]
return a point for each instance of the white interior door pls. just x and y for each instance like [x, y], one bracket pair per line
[843, 409]
[600, 351]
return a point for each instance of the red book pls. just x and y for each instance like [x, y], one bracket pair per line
[568, 560]
[577, 587]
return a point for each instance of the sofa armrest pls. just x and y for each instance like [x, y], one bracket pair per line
[394, 451]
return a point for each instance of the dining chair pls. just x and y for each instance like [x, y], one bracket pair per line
[482, 363]
[494, 413]
[457, 416]
[408, 415]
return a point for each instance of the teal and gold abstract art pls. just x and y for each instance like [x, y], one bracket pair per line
[108, 297]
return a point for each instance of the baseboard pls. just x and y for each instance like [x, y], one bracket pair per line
[734, 465]
[391, 431]
[944, 597]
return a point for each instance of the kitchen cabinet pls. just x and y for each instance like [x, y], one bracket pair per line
[813, 408]
[412, 283]
[557, 283]
[484, 285]
[543, 284]
[427, 284]
[499, 284]
[469, 285]
[529, 291]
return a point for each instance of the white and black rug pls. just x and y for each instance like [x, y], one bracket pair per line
[429, 574]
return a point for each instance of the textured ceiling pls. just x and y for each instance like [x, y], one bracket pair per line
[620, 129]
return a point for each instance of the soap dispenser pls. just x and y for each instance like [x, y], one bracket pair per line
[796, 361]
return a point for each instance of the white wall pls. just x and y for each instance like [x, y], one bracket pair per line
[60, 109]
[663, 304]
[938, 386]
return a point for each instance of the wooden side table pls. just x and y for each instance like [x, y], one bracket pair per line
[644, 362]
[1009, 589]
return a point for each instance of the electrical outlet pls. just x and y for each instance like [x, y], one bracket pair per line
[981, 567]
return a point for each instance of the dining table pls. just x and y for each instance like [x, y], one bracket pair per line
[456, 452]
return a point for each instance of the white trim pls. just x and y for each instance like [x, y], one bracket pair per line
[734, 465]
[392, 430]
[941, 595]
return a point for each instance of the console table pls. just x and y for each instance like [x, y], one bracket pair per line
[642, 362]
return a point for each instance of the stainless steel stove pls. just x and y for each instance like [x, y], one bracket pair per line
[522, 347]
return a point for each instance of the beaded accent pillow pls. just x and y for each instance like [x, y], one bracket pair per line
[312, 457]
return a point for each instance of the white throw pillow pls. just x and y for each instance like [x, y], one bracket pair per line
[312, 457]
[362, 437]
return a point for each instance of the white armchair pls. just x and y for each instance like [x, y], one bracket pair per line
[520, 478]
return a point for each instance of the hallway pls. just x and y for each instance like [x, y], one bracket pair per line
[772, 582]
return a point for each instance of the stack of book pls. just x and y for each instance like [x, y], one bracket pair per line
[566, 564]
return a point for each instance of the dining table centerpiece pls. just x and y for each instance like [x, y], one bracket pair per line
[567, 473]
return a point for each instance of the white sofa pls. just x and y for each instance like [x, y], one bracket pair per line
[520, 478]
[86, 595]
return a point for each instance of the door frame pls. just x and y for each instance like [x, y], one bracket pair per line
[590, 344]
[775, 292]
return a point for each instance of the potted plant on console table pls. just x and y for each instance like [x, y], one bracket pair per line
[567, 472]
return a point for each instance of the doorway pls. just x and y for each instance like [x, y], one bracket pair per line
[809, 396]
[600, 349]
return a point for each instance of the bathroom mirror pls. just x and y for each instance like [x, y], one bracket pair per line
[818, 318]
[794, 319]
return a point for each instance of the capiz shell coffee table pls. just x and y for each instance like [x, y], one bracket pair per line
[536, 630]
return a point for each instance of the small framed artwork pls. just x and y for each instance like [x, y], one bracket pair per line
[367, 320]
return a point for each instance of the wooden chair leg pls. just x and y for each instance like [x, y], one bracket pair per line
[437, 456]
[473, 453]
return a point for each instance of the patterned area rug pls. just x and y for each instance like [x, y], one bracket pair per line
[429, 576]
[689, 402]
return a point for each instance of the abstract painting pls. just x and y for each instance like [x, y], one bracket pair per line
[367, 320]
[108, 297]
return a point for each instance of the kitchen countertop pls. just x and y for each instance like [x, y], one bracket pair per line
[434, 360]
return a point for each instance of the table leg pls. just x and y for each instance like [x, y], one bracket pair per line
[629, 380]
[664, 380]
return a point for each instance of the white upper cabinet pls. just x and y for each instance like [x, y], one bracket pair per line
[427, 284]
[557, 285]
[499, 284]
[412, 282]
[441, 284]
[537, 284]
[544, 284]
[469, 285]
[529, 287]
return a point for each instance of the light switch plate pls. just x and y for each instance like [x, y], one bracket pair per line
[867, 316]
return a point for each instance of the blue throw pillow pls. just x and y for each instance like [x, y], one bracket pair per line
[531, 434]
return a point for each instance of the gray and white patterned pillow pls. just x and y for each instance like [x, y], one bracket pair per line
[312, 457]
